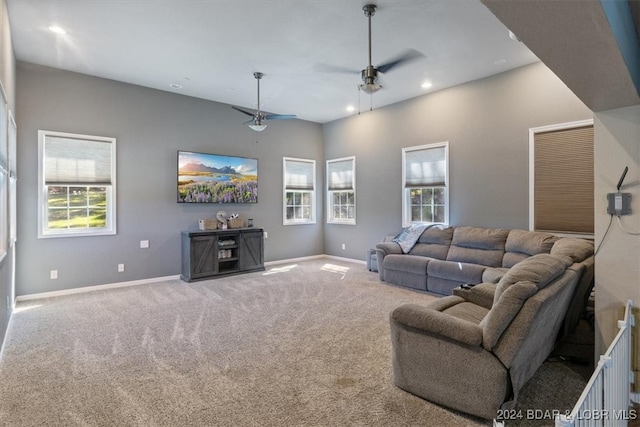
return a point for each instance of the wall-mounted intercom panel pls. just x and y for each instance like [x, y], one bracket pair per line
[619, 204]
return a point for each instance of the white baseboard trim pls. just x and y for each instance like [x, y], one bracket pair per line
[51, 294]
[94, 288]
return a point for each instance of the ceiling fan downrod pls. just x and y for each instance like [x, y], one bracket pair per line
[370, 74]
[369, 11]
[258, 76]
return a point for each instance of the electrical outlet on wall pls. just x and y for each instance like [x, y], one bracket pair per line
[120, 268]
[53, 274]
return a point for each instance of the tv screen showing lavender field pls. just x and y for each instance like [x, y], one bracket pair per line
[214, 178]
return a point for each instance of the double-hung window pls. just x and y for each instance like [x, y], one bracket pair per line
[299, 191]
[341, 191]
[425, 178]
[77, 185]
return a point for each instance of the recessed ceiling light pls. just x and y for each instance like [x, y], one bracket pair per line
[426, 85]
[350, 108]
[57, 30]
[175, 86]
[514, 37]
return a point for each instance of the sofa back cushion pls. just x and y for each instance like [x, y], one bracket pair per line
[575, 248]
[538, 269]
[516, 286]
[522, 244]
[499, 317]
[484, 246]
[434, 243]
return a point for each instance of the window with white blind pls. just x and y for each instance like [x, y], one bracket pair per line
[4, 175]
[77, 183]
[299, 177]
[425, 178]
[341, 190]
[561, 178]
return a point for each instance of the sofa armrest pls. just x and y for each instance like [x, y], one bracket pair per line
[437, 323]
[382, 250]
[480, 294]
[389, 248]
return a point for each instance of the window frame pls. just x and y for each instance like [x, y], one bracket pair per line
[330, 193]
[302, 191]
[110, 228]
[406, 190]
[5, 175]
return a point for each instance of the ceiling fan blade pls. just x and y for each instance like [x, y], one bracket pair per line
[325, 68]
[280, 116]
[249, 121]
[243, 111]
[404, 58]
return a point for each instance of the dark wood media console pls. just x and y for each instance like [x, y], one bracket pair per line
[215, 253]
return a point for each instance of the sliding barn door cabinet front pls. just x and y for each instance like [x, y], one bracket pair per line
[215, 253]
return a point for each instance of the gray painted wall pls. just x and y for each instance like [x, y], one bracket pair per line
[486, 123]
[7, 77]
[150, 127]
[617, 144]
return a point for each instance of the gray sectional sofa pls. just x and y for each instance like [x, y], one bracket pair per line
[443, 259]
[473, 349]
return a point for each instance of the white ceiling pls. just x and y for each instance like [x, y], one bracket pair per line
[212, 47]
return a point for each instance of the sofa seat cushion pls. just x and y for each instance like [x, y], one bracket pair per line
[481, 294]
[456, 271]
[409, 263]
[522, 244]
[483, 246]
[467, 311]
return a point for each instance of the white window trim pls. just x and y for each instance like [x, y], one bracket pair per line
[13, 178]
[5, 173]
[42, 197]
[406, 211]
[330, 219]
[532, 134]
[312, 220]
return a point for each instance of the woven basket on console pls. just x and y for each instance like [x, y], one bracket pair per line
[208, 224]
[235, 223]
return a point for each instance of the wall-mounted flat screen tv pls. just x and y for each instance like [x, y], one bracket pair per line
[214, 178]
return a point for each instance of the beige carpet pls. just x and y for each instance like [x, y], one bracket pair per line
[297, 345]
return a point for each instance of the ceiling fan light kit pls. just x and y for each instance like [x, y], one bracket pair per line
[256, 123]
[258, 127]
[369, 75]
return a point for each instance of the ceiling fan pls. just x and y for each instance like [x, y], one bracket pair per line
[256, 123]
[369, 75]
